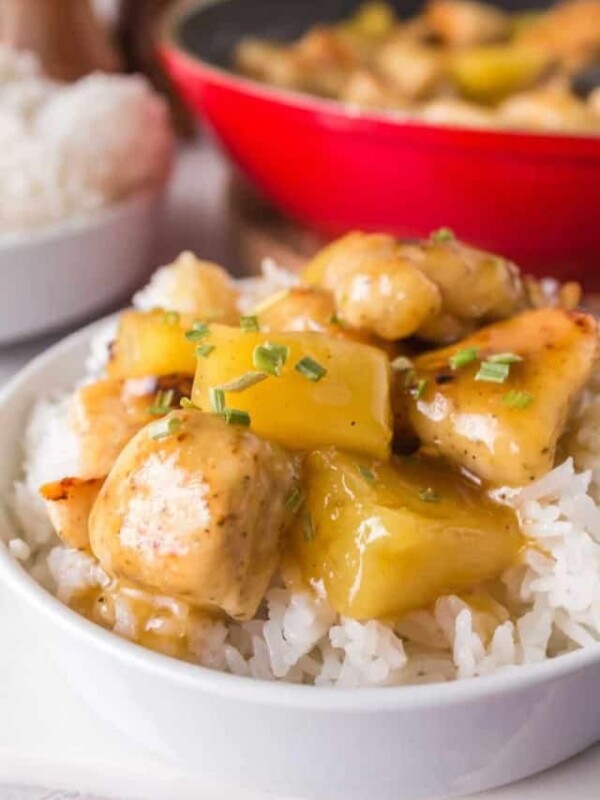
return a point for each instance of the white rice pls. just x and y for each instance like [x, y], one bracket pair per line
[553, 596]
[69, 149]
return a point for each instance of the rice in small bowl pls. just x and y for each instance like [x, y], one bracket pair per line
[82, 171]
[542, 607]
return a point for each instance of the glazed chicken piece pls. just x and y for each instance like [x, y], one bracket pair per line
[412, 69]
[196, 509]
[551, 109]
[195, 288]
[106, 414]
[69, 503]
[497, 403]
[306, 308]
[373, 286]
[437, 289]
[460, 23]
[570, 31]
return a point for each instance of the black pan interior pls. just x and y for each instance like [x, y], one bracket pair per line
[211, 32]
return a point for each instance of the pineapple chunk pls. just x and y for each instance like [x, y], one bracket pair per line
[152, 343]
[385, 539]
[489, 74]
[348, 406]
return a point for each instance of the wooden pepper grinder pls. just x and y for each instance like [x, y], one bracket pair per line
[65, 34]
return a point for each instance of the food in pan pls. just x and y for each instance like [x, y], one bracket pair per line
[457, 62]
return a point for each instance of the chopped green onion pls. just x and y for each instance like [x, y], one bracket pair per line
[401, 364]
[335, 320]
[493, 373]
[443, 235]
[504, 358]
[164, 428]
[186, 403]
[217, 400]
[171, 317]
[249, 323]
[429, 495]
[308, 528]
[199, 331]
[294, 499]
[204, 350]
[243, 382]
[419, 389]
[517, 399]
[463, 357]
[270, 357]
[234, 416]
[366, 473]
[162, 403]
[310, 369]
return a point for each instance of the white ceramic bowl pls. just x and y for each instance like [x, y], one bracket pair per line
[68, 271]
[403, 743]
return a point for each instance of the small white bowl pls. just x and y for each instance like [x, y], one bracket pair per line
[67, 271]
[402, 743]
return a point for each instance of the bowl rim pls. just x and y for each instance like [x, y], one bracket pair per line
[170, 44]
[79, 224]
[245, 689]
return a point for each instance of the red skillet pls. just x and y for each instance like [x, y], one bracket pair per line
[533, 197]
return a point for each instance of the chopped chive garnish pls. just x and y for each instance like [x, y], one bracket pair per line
[419, 389]
[366, 473]
[185, 402]
[249, 323]
[198, 331]
[335, 320]
[162, 403]
[294, 499]
[164, 428]
[401, 364]
[517, 399]
[308, 529]
[217, 400]
[493, 373]
[270, 357]
[171, 317]
[204, 350]
[443, 235]
[504, 358]
[429, 495]
[463, 357]
[310, 369]
[243, 382]
[233, 416]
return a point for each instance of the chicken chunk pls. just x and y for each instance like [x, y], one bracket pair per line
[106, 414]
[461, 23]
[196, 509]
[435, 288]
[69, 503]
[189, 286]
[497, 403]
[474, 284]
[413, 70]
[549, 109]
[570, 30]
[373, 286]
[306, 308]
